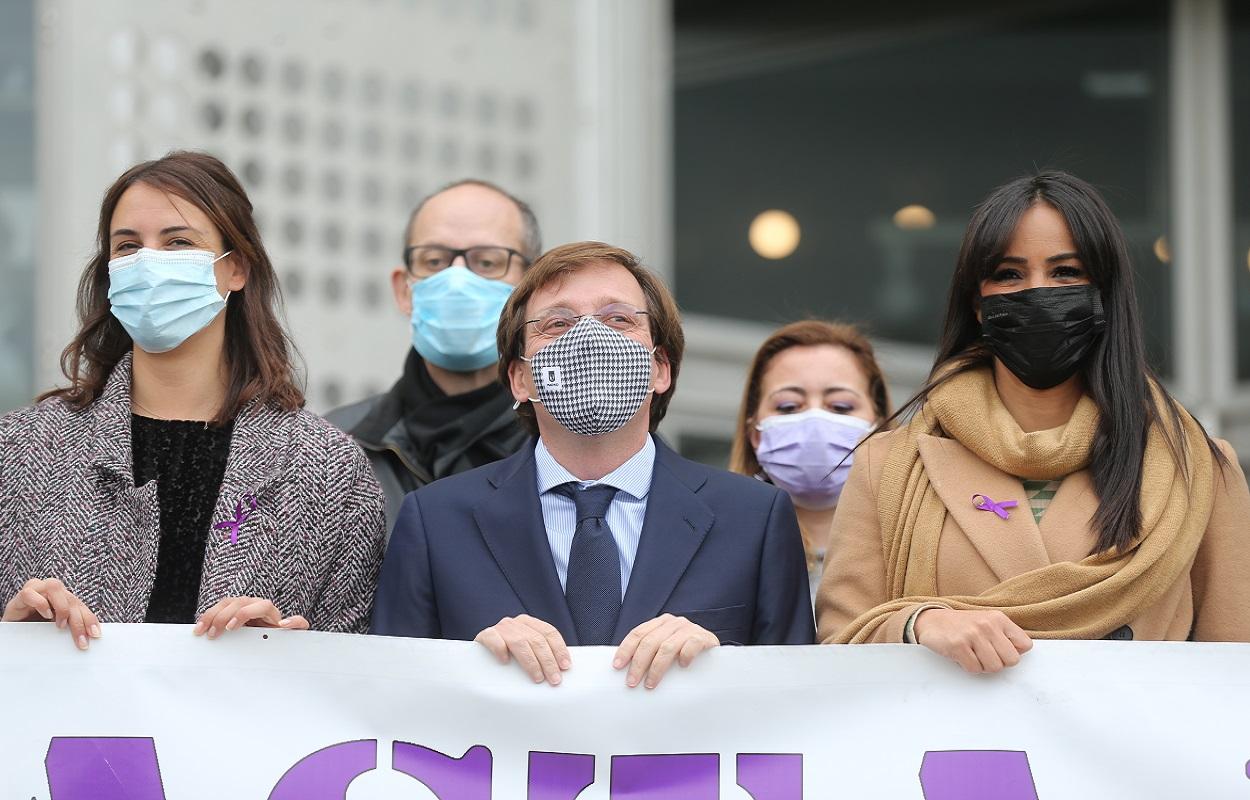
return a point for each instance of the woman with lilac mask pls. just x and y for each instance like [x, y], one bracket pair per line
[813, 392]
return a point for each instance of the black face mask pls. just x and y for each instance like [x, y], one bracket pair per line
[1043, 335]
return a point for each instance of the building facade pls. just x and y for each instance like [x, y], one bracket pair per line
[666, 126]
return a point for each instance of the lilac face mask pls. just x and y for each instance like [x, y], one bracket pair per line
[809, 454]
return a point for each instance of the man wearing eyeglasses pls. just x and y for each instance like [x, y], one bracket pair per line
[466, 247]
[595, 532]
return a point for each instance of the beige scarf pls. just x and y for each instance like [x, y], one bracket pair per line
[1070, 600]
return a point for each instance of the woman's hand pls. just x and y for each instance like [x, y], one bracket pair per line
[980, 641]
[48, 599]
[235, 612]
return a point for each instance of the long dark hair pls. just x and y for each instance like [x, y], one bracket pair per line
[1116, 374]
[259, 352]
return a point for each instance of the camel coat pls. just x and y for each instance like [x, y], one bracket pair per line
[978, 550]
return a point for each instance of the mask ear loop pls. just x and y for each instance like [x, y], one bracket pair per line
[528, 399]
[760, 475]
[225, 299]
[654, 347]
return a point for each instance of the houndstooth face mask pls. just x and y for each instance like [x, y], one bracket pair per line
[592, 379]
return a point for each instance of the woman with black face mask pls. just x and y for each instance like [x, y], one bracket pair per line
[1046, 485]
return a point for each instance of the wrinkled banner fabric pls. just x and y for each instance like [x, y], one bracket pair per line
[152, 713]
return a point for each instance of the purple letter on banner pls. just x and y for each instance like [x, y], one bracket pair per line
[977, 775]
[464, 778]
[771, 776]
[559, 776]
[326, 774]
[103, 769]
[677, 777]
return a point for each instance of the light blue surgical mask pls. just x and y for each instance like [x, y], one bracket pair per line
[454, 316]
[163, 297]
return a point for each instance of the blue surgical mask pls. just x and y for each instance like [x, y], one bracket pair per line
[163, 297]
[454, 316]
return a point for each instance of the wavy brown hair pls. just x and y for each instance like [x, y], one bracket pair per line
[806, 333]
[258, 350]
[665, 319]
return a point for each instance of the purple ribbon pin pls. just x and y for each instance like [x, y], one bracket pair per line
[984, 503]
[241, 515]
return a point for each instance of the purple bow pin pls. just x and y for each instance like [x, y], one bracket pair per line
[984, 503]
[241, 515]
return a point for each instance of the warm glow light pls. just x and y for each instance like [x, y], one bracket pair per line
[914, 218]
[1163, 251]
[774, 234]
[1248, 259]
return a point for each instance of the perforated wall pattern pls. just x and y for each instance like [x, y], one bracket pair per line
[338, 116]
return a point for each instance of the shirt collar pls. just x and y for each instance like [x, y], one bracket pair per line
[633, 477]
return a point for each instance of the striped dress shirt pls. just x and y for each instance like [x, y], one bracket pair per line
[625, 515]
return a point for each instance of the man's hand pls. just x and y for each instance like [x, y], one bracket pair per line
[651, 648]
[979, 641]
[48, 599]
[235, 612]
[536, 645]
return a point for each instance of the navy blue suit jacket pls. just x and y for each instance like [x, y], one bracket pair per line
[720, 549]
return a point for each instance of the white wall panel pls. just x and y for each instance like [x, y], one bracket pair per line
[338, 116]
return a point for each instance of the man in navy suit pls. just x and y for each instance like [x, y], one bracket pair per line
[595, 532]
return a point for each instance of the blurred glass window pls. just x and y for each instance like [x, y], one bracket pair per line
[17, 202]
[1241, 180]
[877, 127]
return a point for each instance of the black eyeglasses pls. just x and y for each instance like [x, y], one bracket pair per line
[488, 261]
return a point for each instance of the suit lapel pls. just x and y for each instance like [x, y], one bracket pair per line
[1067, 527]
[130, 531]
[511, 522]
[675, 525]
[239, 551]
[110, 415]
[1010, 546]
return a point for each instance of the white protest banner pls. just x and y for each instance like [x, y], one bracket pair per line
[152, 713]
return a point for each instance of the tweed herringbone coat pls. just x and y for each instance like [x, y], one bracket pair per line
[69, 509]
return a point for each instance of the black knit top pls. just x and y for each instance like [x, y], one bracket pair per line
[187, 460]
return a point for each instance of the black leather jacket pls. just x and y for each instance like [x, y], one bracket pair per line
[384, 425]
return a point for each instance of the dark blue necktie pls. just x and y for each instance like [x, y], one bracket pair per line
[593, 585]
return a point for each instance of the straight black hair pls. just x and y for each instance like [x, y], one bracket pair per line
[1116, 374]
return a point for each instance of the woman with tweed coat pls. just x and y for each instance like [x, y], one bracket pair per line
[177, 478]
